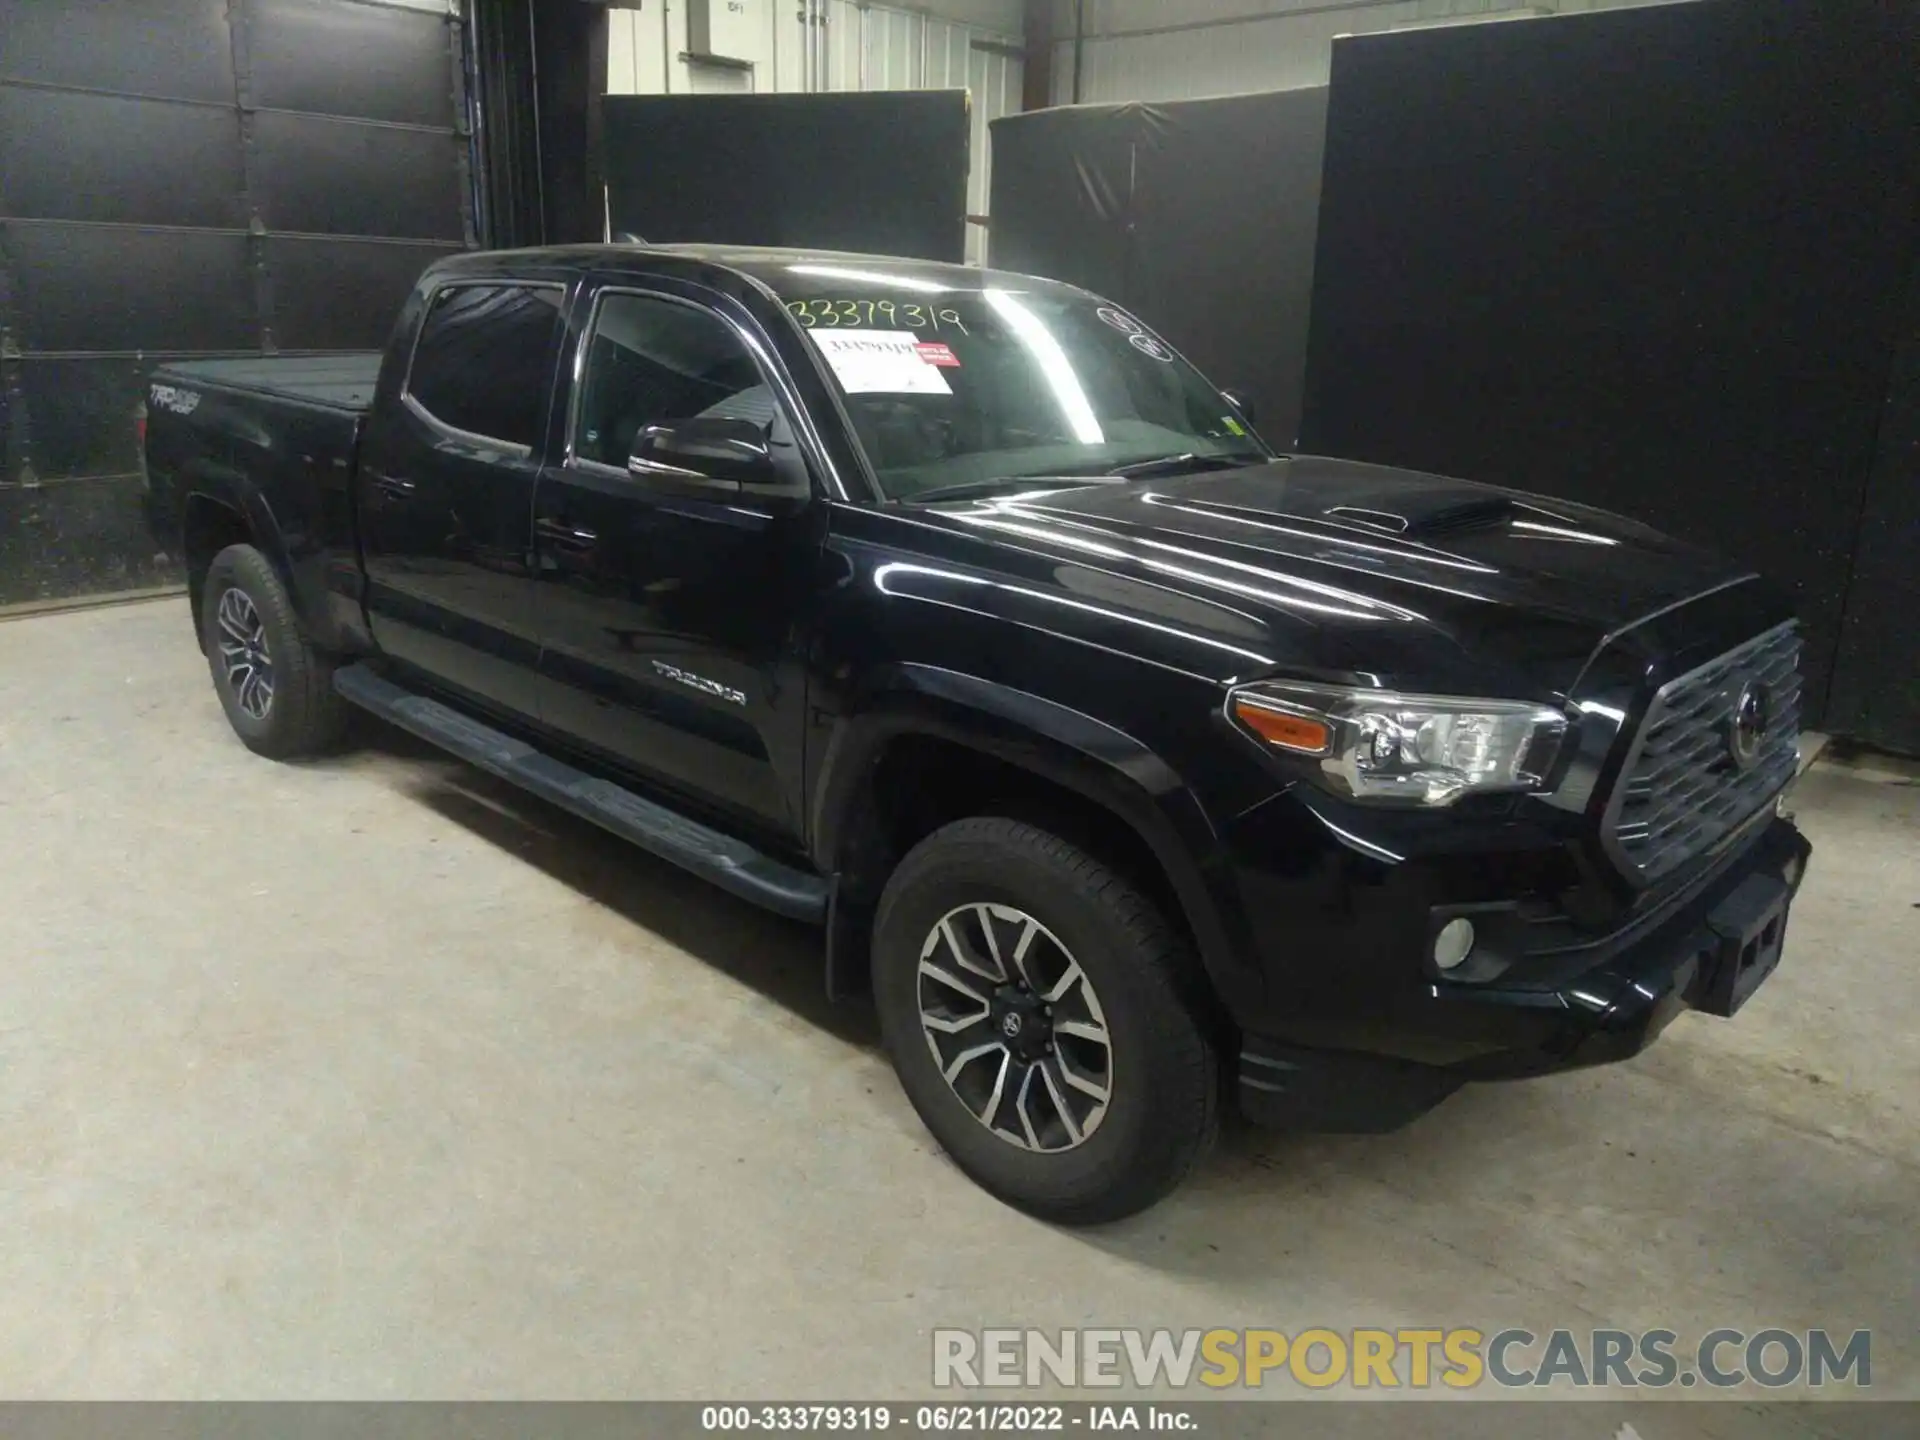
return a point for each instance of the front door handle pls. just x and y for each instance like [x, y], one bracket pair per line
[563, 536]
[394, 487]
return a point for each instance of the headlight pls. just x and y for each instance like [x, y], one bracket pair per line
[1417, 749]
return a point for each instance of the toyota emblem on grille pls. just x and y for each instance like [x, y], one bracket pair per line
[1747, 724]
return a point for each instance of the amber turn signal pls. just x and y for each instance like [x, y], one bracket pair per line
[1289, 732]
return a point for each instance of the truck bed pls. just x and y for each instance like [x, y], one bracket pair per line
[265, 435]
[338, 382]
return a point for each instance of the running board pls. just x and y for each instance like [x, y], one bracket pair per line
[731, 864]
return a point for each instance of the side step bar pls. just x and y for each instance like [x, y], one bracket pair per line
[731, 864]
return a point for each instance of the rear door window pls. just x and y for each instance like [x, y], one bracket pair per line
[484, 360]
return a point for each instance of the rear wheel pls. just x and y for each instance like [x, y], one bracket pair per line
[1038, 1010]
[276, 688]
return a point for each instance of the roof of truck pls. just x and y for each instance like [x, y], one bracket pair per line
[770, 266]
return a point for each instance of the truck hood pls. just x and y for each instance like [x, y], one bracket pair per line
[1345, 568]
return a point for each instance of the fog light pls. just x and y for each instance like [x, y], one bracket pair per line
[1790, 872]
[1453, 944]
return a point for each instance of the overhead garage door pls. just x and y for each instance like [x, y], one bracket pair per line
[196, 178]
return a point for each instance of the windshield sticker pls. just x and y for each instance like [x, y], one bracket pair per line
[885, 362]
[1119, 320]
[1233, 426]
[842, 314]
[935, 353]
[1147, 345]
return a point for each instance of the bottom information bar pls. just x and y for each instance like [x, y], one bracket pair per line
[669, 1420]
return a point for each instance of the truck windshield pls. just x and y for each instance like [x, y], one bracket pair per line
[953, 390]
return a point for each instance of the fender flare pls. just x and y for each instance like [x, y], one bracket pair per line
[1096, 760]
[212, 482]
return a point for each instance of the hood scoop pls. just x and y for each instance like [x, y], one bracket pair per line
[1445, 517]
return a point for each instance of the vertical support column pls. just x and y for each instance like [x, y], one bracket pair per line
[1079, 44]
[16, 461]
[1036, 86]
[459, 48]
[257, 263]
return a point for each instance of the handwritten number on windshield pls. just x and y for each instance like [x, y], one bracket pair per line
[866, 314]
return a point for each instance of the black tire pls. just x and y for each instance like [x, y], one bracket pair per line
[301, 714]
[1162, 1075]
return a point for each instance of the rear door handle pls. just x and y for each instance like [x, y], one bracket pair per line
[394, 486]
[562, 536]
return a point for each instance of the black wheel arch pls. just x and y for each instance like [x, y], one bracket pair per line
[1102, 772]
[220, 507]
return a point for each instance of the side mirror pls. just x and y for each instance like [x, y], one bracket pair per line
[1242, 402]
[707, 458]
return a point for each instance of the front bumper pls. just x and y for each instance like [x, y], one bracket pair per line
[1706, 947]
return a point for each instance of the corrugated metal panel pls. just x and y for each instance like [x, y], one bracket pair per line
[788, 47]
[949, 49]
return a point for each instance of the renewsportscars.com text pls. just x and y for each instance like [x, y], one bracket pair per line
[1459, 1358]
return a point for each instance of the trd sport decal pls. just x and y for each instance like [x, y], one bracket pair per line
[172, 397]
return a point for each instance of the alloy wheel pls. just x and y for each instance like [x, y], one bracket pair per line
[1015, 1027]
[243, 653]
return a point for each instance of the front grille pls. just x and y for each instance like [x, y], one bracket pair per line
[1681, 792]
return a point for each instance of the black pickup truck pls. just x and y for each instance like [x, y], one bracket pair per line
[1127, 763]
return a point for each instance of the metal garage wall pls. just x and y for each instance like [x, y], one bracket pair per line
[194, 178]
[1152, 50]
[863, 47]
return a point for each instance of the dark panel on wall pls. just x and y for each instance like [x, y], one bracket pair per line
[80, 287]
[1199, 215]
[84, 413]
[884, 172]
[172, 48]
[1063, 203]
[342, 294]
[1876, 686]
[336, 57]
[338, 177]
[1648, 259]
[1224, 247]
[85, 537]
[135, 228]
[67, 156]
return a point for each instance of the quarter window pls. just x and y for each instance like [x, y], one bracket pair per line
[485, 357]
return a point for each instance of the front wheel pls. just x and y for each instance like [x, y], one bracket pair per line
[276, 688]
[1039, 1012]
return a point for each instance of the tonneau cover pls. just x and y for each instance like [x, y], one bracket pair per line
[340, 382]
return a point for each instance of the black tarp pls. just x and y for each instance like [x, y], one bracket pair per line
[1656, 260]
[1876, 680]
[883, 172]
[1198, 215]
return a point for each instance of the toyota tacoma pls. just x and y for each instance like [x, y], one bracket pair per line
[1130, 766]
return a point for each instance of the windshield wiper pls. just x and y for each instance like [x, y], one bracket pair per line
[1132, 470]
[967, 489]
[1173, 464]
[1155, 465]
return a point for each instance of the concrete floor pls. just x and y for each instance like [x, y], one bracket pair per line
[372, 1078]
